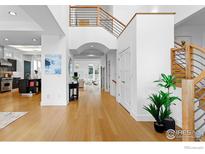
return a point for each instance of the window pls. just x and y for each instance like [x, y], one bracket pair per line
[90, 71]
[39, 64]
[35, 66]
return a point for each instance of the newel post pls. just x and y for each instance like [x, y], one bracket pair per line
[188, 110]
[188, 58]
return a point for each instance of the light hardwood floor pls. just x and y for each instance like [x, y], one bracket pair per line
[96, 116]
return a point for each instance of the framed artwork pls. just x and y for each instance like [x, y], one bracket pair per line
[53, 64]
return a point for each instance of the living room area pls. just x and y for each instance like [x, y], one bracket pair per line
[88, 72]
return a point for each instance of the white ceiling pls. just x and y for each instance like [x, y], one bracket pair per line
[20, 16]
[90, 50]
[20, 29]
[21, 21]
[197, 19]
[20, 38]
[23, 31]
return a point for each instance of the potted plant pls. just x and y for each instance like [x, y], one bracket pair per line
[168, 82]
[158, 110]
[75, 78]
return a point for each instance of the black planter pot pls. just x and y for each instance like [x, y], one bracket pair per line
[159, 127]
[169, 123]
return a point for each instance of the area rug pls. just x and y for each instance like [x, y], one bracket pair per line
[7, 118]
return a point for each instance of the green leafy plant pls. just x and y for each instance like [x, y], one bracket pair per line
[75, 78]
[167, 82]
[160, 104]
[158, 107]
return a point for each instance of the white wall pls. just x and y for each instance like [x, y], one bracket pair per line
[155, 38]
[82, 35]
[196, 32]
[182, 11]
[55, 87]
[150, 56]
[60, 13]
[112, 57]
[127, 40]
[125, 13]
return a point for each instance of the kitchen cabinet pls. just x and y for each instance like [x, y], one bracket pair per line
[14, 65]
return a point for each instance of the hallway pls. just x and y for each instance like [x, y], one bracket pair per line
[94, 117]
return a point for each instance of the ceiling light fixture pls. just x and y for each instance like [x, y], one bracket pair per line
[91, 55]
[12, 13]
[34, 39]
[6, 39]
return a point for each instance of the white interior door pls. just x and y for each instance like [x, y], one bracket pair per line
[125, 74]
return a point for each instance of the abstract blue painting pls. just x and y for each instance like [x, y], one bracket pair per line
[53, 64]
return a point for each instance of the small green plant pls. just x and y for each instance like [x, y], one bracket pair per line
[160, 104]
[75, 78]
[167, 82]
[158, 108]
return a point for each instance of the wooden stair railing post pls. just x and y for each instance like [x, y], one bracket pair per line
[188, 59]
[188, 109]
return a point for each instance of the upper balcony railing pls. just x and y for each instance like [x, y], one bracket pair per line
[94, 16]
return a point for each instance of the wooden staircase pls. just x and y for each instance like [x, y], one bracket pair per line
[188, 66]
[178, 63]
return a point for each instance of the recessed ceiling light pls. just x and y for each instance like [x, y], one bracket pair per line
[91, 46]
[6, 39]
[91, 55]
[34, 39]
[12, 13]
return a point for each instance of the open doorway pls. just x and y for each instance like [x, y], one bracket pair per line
[88, 72]
[27, 69]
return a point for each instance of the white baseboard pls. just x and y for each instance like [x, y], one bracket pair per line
[141, 117]
[54, 104]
